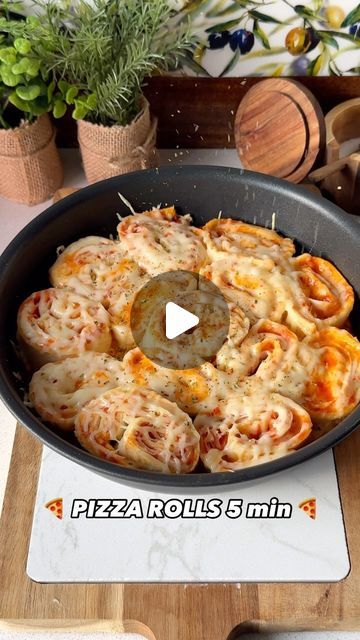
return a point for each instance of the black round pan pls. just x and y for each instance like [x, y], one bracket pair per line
[203, 191]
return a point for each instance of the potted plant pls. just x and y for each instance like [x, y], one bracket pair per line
[30, 167]
[101, 52]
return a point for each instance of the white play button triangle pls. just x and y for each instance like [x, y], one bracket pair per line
[178, 320]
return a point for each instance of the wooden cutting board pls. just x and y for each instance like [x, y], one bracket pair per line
[279, 129]
[168, 611]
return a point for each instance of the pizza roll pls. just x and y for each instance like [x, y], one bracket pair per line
[140, 426]
[319, 295]
[96, 268]
[225, 238]
[252, 283]
[247, 430]
[268, 350]
[160, 245]
[193, 390]
[332, 390]
[57, 323]
[59, 390]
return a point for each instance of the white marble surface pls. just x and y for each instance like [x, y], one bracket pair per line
[296, 549]
[13, 218]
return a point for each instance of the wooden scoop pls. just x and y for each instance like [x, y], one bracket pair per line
[341, 181]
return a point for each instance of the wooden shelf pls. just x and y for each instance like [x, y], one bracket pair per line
[200, 112]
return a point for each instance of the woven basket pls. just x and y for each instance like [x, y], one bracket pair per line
[30, 166]
[109, 151]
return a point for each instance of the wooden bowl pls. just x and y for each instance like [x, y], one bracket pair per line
[342, 124]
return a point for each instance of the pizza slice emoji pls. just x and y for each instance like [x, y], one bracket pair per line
[56, 507]
[309, 507]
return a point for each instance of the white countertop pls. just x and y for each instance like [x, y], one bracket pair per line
[13, 218]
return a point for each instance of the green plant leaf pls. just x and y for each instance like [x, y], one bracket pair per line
[231, 64]
[28, 93]
[352, 18]
[80, 112]
[199, 52]
[22, 45]
[315, 66]
[342, 35]
[257, 15]
[328, 39]
[40, 106]
[33, 68]
[8, 55]
[64, 87]
[20, 104]
[223, 26]
[8, 77]
[333, 69]
[91, 101]
[195, 66]
[306, 13]
[71, 94]
[261, 35]
[20, 67]
[59, 109]
[50, 90]
[33, 21]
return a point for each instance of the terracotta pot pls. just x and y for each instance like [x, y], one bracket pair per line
[30, 166]
[110, 151]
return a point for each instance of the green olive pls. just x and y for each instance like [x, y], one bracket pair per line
[334, 16]
[297, 41]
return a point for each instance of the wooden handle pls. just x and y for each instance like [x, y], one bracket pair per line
[328, 170]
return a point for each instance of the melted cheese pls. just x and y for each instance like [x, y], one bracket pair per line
[193, 390]
[255, 285]
[57, 323]
[141, 426]
[283, 347]
[97, 268]
[317, 295]
[160, 245]
[227, 238]
[333, 385]
[59, 390]
[250, 430]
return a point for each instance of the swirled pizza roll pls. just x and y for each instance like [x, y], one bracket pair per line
[253, 284]
[57, 323]
[332, 389]
[268, 355]
[247, 430]
[319, 295]
[141, 426]
[193, 390]
[96, 268]
[160, 245]
[225, 238]
[60, 389]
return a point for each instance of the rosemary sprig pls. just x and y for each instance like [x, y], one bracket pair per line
[106, 49]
